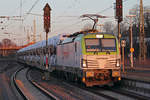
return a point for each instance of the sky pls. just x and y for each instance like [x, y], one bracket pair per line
[65, 16]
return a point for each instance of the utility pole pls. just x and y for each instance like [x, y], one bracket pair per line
[28, 37]
[35, 24]
[131, 42]
[142, 46]
[123, 44]
[21, 10]
[40, 37]
[34, 31]
[119, 35]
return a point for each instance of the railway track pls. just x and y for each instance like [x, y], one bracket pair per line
[63, 90]
[112, 93]
[107, 93]
[126, 93]
[16, 88]
[137, 86]
[92, 90]
[27, 89]
[107, 97]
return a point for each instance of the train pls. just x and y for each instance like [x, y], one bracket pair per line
[90, 57]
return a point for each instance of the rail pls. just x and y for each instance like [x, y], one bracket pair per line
[26, 95]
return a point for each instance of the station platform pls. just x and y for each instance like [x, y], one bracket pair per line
[140, 71]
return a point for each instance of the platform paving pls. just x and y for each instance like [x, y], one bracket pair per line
[140, 71]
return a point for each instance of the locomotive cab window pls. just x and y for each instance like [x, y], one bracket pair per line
[98, 45]
[92, 45]
[108, 44]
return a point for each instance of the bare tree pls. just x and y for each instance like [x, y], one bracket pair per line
[7, 42]
[87, 26]
[0, 44]
[108, 27]
[136, 21]
[147, 23]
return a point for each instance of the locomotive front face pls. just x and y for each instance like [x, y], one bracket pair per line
[101, 59]
[100, 52]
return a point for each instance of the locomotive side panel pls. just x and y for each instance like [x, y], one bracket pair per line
[78, 54]
[59, 57]
[67, 55]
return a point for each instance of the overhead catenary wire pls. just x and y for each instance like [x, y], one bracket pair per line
[63, 28]
[15, 10]
[96, 13]
[109, 8]
[31, 8]
[21, 4]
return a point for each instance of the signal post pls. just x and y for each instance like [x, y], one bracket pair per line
[47, 13]
[119, 17]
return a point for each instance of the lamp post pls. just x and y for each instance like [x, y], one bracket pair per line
[123, 44]
[131, 42]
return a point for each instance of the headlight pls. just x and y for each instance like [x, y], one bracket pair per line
[118, 63]
[84, 63]
[99, 36]
[89, 74]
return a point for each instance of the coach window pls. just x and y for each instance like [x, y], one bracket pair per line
[44, 51]
[38, 53]
[41, 51]
[47, 50]
[28, 53]
[50, 51]
[75, 47]
[33, 53]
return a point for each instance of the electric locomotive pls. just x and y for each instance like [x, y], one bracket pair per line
[90, 56]
[87, 56]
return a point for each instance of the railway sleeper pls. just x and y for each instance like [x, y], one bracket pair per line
[136, 86]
